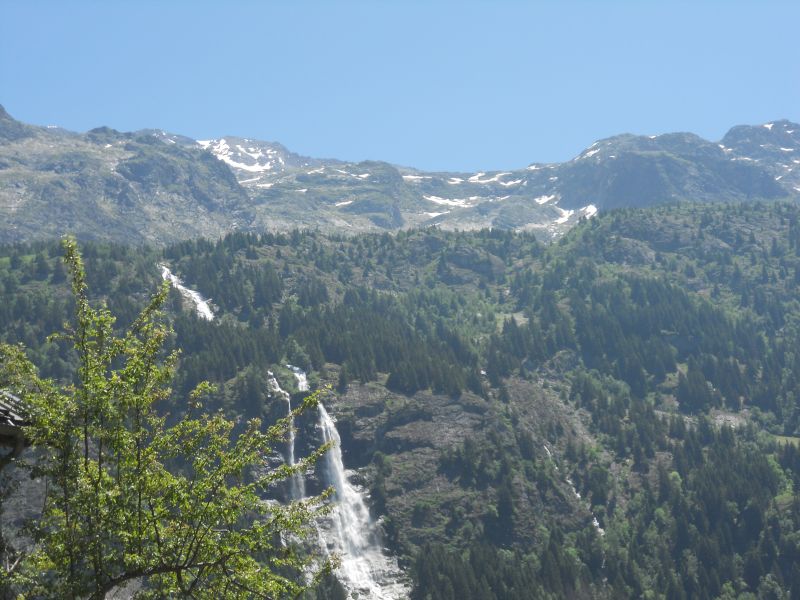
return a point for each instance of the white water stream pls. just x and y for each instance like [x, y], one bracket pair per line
[201, 305]
[577, 494]
[352, 534]
[300, 375]
[297, 485]
[349, 531]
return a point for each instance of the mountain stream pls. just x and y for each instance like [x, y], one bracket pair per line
[201, 305]
[349, 531]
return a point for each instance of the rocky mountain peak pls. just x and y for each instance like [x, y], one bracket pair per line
[10, 128]
[774, 146]
[745, 137]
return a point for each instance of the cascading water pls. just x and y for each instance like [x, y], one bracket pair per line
[300, 375]
[297, 485]
[349, 531]
[577, 495]
[201, 305]
[352, 534]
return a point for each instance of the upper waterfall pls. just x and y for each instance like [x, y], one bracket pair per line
[297, 485]
[201, 304]
[300, 375]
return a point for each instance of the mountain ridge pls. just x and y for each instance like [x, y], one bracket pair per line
[152, 186]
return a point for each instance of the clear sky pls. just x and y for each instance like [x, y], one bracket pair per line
[435, 85]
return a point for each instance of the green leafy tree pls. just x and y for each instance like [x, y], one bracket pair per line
[133, 503]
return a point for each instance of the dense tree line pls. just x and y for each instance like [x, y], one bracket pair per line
[651, 323]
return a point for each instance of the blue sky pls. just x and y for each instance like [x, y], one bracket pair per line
[435, 85]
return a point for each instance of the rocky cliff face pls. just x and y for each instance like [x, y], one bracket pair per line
[403, 445]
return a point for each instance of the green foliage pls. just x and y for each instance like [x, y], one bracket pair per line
[621, 349]
[174, 510]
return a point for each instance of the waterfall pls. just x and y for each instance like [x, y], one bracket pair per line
[297, 485]
[577, 495]
[349, 532]
[300, 375]
[201, 305]
[352, 534]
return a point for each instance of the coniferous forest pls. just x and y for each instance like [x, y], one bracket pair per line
[615, 414]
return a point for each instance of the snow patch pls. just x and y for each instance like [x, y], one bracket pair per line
[477, 178]
[589, 211]
[416, 177]
[223, 152]
[768, 126]
[565, 215]
[361, 176]
[343, 203]
[452, 201]
[545, 199]
[510, 183]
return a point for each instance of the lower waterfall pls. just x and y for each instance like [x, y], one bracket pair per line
[352, 534]
[349, 531]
